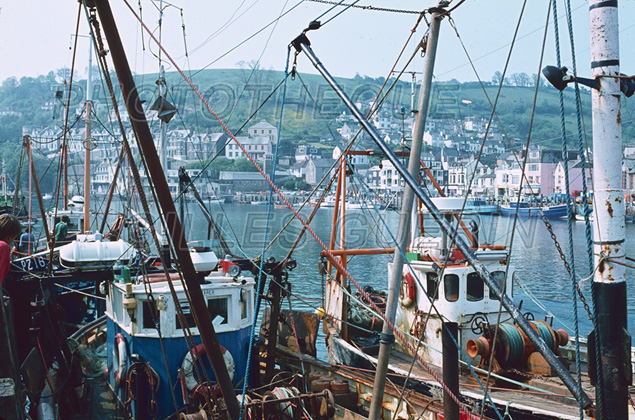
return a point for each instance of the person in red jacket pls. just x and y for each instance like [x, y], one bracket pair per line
[9, 230]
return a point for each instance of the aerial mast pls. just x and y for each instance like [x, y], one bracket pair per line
[87, 143]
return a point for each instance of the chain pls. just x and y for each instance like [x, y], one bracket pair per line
[567, 267]
[369, 7]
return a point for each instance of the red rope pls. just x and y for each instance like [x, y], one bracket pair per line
[336, 262]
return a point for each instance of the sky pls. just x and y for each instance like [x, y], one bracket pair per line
[36, 36]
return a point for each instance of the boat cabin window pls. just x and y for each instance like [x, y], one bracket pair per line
[451, 287]
[475, 287]
[187, 314]
[432, 285]
[244, 304]
[499, 277]
[218, 310]
[148, 319]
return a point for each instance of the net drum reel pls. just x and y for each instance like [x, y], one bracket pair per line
[513, 350]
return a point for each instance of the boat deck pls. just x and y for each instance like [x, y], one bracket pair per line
[555, 399]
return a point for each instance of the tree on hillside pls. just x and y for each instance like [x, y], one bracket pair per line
[496, 78]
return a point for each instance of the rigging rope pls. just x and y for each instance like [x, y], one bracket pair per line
[565, 165]
[264, 242]
[257, 64]
[587, 222]
[368, 7]
[336, 262]
[239, 44]
[141, 192]
[63, 157]
[500, 308]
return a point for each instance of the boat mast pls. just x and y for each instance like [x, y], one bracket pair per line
[87, 144]
[174, 227]
[609, 281]
[163, 153]
[302, 44]
[387, 337]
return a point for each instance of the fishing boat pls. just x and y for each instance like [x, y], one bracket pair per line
[481, 206]
[448, 311]
[449, 302]
[525, 210]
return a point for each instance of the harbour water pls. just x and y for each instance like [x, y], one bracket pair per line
[546, 287]
[539, 269]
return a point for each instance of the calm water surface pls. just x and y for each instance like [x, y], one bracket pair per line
[538, 265]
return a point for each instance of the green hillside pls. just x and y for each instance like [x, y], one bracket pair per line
[310, 106]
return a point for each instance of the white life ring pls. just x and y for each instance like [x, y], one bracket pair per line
[409, 295]
[187, 367]
[121, 358]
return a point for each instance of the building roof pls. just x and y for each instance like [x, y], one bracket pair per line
[323, 163]
[299, 165]
[262, 124]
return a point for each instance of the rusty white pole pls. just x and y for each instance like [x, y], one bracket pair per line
[613, 371]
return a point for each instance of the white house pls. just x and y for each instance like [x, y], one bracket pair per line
[389, 178]
[257, 147]
[263, 129]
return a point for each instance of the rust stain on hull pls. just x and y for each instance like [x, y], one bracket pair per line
[609, 208]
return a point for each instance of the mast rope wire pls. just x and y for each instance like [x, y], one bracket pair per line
[431, 299]
[336, 263]
[373, 109]
[101, 57]
[583, 148]
[95, 29]
[257, 64]
[338, 13]
[502, 46]
[225, 25]
[523, 166]
[502, 127]
[565, 165]
[64, 153]
[262, 276]
[368, 7]
[236, 46]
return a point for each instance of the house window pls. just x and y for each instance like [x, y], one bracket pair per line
[515, 179]
[263, 131]
[505, 178]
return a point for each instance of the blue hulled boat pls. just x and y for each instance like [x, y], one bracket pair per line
[550, 212]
